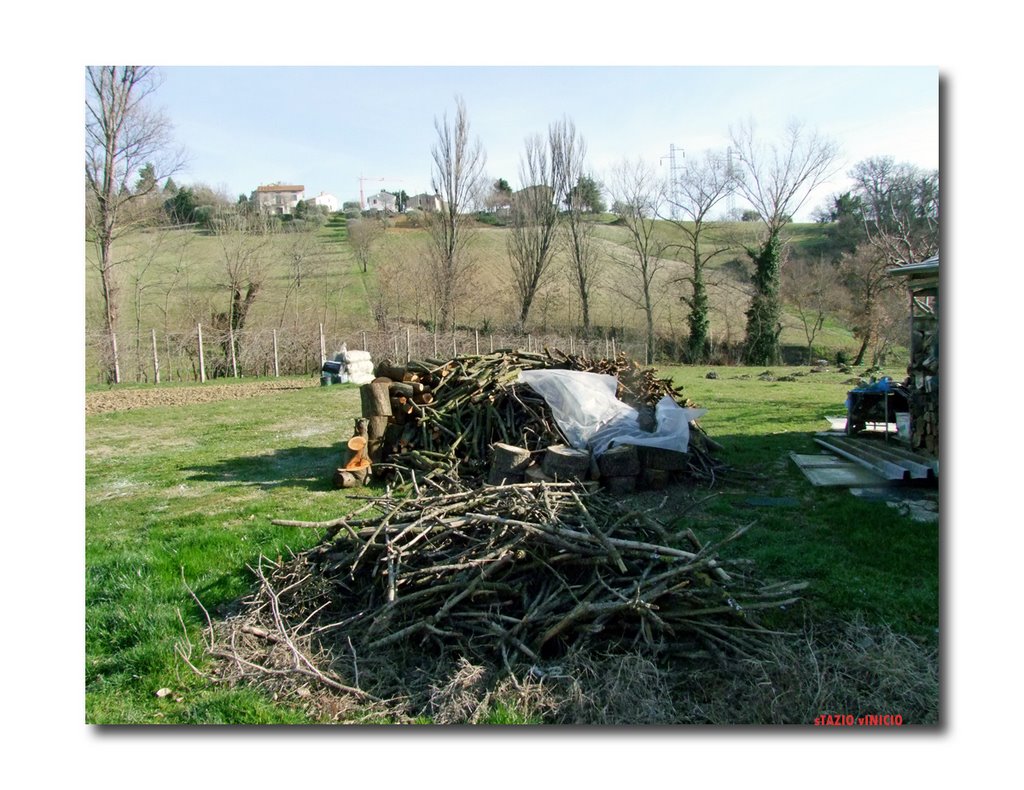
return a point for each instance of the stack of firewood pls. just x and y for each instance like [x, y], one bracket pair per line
[923, 382]
[469, 416]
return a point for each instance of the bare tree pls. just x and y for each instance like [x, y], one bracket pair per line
[122, 136]
[900, 204]
[775, 179]
[303, 252]
[637, 192]
[363, 236]
[569, 151]
[245, 246]
[532, 237]
[865, 275]
[813, 290]
[457, 172]
[703, 184]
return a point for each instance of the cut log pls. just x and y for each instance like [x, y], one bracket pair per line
[654, 479]
[509, 465]
[351, 478]
[388, 369]
[376, 400]
[620, 461]
[375, 436]
[624, 484]
[666, 460]
[566, 463]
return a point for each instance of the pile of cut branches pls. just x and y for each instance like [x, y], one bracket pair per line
[462, 406]
[512, 575]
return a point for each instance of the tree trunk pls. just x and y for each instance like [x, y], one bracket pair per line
[765, 312]
[863, 350]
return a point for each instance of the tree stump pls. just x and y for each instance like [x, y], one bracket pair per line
[565, 463]
[620, 461]
[509, 465]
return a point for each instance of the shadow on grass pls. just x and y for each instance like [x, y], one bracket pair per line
[311, 468]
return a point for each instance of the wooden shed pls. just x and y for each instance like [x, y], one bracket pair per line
[923, 369]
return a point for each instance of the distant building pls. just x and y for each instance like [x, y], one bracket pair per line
[278, 198]
[382, 201]
[325, 199]
[424, 202]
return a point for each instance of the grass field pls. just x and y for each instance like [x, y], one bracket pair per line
[181, 496]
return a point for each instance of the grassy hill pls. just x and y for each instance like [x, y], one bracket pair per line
[173, 279]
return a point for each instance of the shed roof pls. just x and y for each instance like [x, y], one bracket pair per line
[920, 276]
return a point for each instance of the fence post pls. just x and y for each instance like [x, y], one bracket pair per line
[202, 363]
[572, 345]
[455, 347]
[277, 370]
[156, 359]
[476, 334]
[408, 344]
[231, 342]
[396, 349]
[529, 343]
[435, 344]
[323, 346]
[613, 348]
[364, 340]
[492, 342]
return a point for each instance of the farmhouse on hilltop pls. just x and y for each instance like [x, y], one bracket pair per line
[326, 199]
[382, 201]
[278, 198]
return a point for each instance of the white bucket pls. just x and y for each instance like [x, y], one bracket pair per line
[903, 425]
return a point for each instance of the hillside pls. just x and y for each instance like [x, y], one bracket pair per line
[172, 280]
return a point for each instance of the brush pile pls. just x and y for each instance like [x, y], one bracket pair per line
[438, 415]
[518, 574]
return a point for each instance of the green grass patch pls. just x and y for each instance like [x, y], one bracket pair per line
[180, 495]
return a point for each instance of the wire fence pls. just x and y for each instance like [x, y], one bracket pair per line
[203, 353]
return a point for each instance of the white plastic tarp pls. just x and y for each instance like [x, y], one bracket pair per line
[591, 417]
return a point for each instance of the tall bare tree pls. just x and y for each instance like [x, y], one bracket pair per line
[364, 235]
[456, 175]
[569, 151]
[532, 238]
[900, 204]
[703, 184]
[813, 290]
[122, 136]
[776, 179]
[637, 192]
[245, 247]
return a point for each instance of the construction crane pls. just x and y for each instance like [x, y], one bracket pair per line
[362, 179]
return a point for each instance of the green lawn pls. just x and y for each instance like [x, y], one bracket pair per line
[184, 495]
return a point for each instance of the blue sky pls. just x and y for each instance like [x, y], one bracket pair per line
[324, 127]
